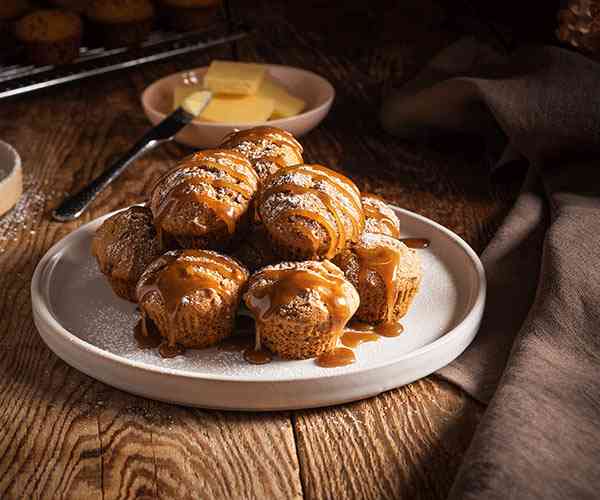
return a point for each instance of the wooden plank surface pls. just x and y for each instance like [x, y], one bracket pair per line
[63, 434]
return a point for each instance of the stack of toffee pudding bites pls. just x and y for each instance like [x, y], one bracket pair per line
[297, 243]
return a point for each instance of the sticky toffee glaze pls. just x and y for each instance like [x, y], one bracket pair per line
[179, 275]
[282, 285]
[201, 183]
[319, 175]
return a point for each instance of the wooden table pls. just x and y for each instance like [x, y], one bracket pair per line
[62, 434]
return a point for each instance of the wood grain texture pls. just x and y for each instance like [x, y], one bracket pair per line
[64, 435]
[406, 443]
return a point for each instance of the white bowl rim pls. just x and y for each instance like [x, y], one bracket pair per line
[16, 159]
[281, 122]
[41, 309]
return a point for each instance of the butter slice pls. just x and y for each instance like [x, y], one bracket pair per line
[195, 103]
[286, 104]
[238, 109]
[225, 77]
[183, 91]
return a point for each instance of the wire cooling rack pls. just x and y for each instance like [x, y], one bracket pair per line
[18, 79]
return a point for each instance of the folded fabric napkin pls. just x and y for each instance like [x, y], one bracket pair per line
[536, 359]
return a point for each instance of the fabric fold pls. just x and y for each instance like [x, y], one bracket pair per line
[536, 358]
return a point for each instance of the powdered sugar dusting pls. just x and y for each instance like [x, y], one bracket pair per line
[28, 212]
[82, 301]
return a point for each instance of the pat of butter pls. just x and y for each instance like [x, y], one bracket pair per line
[286, 104]
[195, 103]
[238, 109]
[225, 77]
[183, 91]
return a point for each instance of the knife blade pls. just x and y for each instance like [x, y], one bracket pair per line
[74, 205]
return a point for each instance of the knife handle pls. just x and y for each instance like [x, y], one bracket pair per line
[74, 205]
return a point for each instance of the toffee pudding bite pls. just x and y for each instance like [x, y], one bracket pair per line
[124, 245]
[379, 216]
[310, 212]
[387, 275]
[192, 297]
[267, 148]
[300, 308]
[202, 201]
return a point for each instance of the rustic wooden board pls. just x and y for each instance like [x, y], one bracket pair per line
[64, 435]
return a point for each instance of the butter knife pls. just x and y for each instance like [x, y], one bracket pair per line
[74, 205]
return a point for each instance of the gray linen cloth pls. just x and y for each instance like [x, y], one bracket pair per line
[536, 359]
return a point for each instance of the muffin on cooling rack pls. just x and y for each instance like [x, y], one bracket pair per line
[187, 15]
[205, 199]
[192, 296]
[379, 216]
[310, 212]
[119, 23]
[386, 273]
[267, 148]
[50, 36]
[124, 245]
[300, 308]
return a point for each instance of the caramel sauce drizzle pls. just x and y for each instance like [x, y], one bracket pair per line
[353, 338]
[194, 187]
[181, 274]
[385, 262]
[337, 236]
[372, 212]
[340, 356]
[382, 329]
[285, 284]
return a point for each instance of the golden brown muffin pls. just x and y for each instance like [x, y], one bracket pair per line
[205, 198]
[50, 36]
[300, 308]
[254, 250]
[124, 245]
[192, 296]
[188, 15]
[386, 274]
[379, 216]
[120, 23]
[267, 148]
[310, 212]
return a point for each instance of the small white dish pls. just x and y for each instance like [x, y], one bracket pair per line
[157, 101]
[11, 177]
[86, 325]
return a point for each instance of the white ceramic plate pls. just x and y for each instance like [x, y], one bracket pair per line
[316, 91]
[85, 324]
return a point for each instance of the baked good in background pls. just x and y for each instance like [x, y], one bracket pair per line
[300, 308]
[310, 212]
[205, 198]
[50, 36]
[10, 11]
[124, 245]
[386, 273]
[192, 296]
[379, 216]
[267, 148]
[187, 15]
[119, 23]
